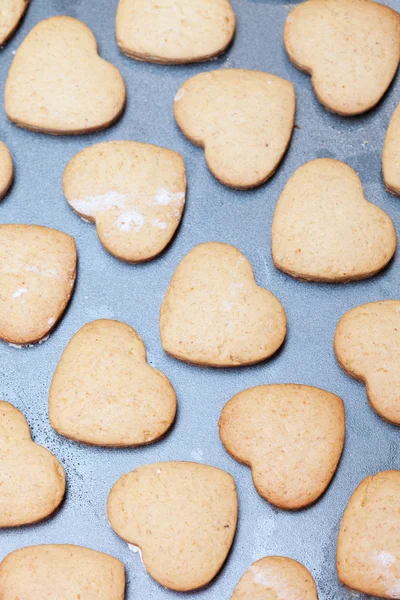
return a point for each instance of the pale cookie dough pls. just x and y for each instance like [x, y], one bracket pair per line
[58, 84]
[135, 193]
[350, 47]
[391, 155]
[6, 170]
[368, 550]
[181, 515]
[11, 13]
[61, 572]
[291, 436]
[367, 347]
[177, 31]
[243, 120]
[37, 276]
[105, 393]
[214, 313]
[276, 578]
[32, 480]
[324, 229]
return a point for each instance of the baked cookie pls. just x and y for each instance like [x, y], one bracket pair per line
[291, 436]
[368, 550]
[11, 13]
[391, 155]
[367, 347]
[325, 230]
[58, 84]
[276, 577]
[32, 480]
[186, 31]
[135, 193]
[62, 572]
[181, 515]
[350, 47]
[214, 314]
[6, 169]
[243, 120]
[105, 393]
[37, 276]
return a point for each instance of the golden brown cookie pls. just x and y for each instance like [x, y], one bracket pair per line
[214, 313]
[324, 229]
[6, 170]
[291, 436]
[135, 193]
[391, 155]
[276, 578]
[58, 84]
[61, 572]
[368, 550]
[243, 120]
[181, 515]
[32, 480]
[11, 13]
[37, 276]
[367, 347]
[351, 48]
[105, 393]
[184, 31]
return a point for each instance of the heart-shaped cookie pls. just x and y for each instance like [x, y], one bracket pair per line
[32, 481]
[37, 276]
[391, 155]
[62, 572]
[367, 347]
[368, 550]
[181, 515]
[350, 47]
[135, 193]
[214, 313]
[105, 393]
[291, 436]
[275, 578]
[243, 120]
[57, 83]
[184, 31]
[324, 229]
[6, 170]
[11, 13]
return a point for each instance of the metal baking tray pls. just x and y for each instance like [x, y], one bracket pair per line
[108, 288]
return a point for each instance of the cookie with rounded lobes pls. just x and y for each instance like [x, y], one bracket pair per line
[275, 577]
[32, 480]
[135, 193]
[58, 84]
[11, 13]
[214, 314]
[368, 550]
[351, 48]
[324, 229]
[184, 31]
[391, 155]
[104, 392]
[37, 276]
[291, 436]
[6, 170]
[61, 571]
[181, 515]
[243, 120]
[367, 347]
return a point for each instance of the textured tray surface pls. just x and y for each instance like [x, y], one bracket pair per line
[108, 288]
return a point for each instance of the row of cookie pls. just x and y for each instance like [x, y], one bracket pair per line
[182, 516]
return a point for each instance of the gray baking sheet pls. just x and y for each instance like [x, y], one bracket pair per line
[108, 288]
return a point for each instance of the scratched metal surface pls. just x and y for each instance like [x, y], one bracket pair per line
[107, 288]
